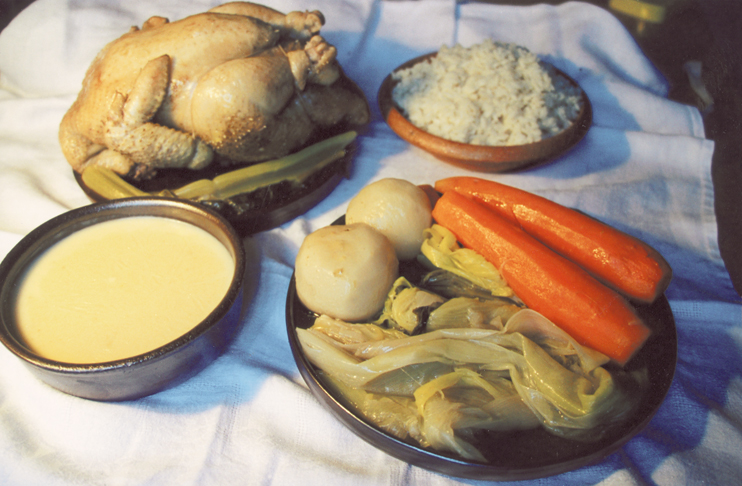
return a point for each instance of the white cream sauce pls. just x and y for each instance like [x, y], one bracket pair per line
[121, 288]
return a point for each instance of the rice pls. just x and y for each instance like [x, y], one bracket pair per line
[488, 94]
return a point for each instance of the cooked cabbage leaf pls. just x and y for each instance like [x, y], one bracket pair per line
[523, 373]
[407, 307]
[442, 250]
[466, 312]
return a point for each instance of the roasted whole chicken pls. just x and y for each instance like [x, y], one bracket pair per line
[241, 83]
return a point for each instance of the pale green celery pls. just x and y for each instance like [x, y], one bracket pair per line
[109, 184]
[196, 189]
[294, 168]
[228, 188]
[443, 251]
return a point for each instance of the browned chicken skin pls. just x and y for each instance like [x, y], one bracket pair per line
[241, 81]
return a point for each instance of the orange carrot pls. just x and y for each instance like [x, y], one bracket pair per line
[590, 312]
[619, 260]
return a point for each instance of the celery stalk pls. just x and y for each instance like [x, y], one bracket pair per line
[295, 168]
[109, 184]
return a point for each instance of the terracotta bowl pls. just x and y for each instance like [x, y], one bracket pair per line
[482, 158]
[147, 373]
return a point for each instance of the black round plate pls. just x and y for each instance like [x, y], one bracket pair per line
[517, 455]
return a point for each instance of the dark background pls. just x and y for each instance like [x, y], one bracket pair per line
[707, 31]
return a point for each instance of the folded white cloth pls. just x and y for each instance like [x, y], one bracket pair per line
[248, 418]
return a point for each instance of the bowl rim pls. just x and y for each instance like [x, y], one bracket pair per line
[48, 233]
[483, 158]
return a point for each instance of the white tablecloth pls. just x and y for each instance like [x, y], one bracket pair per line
[249, 418]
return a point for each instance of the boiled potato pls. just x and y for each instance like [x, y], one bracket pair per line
[399, 209]
[345, 271]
